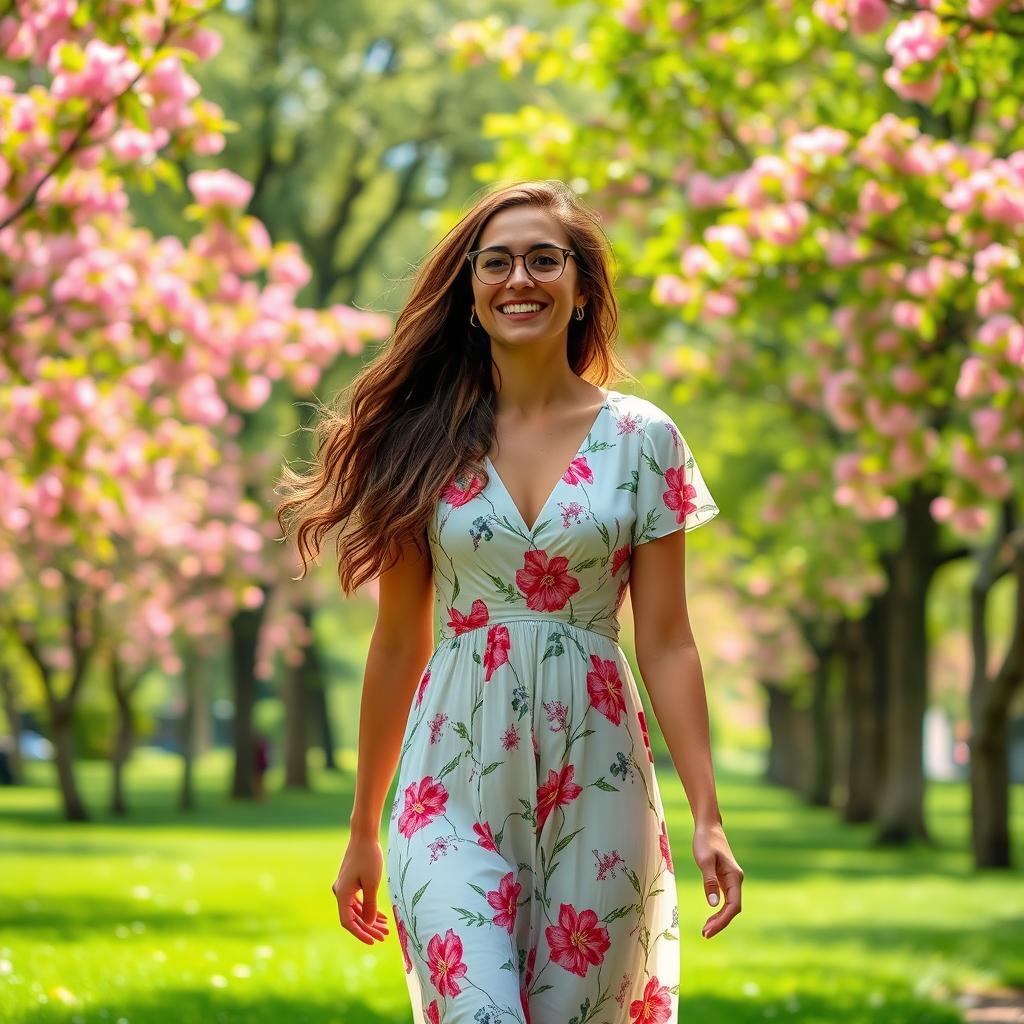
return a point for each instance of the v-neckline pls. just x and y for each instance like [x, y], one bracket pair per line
[554, 487]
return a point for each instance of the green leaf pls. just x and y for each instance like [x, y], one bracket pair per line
[614, 915]
[563, 843]
[449, 767]
[419, 893]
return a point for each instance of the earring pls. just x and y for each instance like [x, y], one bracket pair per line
[471, 315]
[579, 312]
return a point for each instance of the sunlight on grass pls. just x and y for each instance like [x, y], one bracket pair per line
[227, 916]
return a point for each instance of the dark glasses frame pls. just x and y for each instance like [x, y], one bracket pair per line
[566, 253]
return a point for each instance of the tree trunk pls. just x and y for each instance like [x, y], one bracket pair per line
[300, 681]
[12, 709]
[245, 628]
[192, 676]
[865, 704]
[787, 738]
[64, 758]
[901, 805]
[819, 782]
[320, 712]
[124, 741]
[990, 701]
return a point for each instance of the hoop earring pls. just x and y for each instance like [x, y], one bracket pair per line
[471, 315]
[579, 312]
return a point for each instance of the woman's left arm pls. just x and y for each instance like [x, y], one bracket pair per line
[669, 664]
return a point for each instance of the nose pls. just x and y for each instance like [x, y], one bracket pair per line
[519, 274]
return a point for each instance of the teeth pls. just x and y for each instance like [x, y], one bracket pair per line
[521, 307]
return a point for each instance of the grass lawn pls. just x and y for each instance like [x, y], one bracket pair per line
[227, 916]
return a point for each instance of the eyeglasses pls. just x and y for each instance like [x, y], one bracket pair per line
[542, 263]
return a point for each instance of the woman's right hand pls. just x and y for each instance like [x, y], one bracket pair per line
[361, 870]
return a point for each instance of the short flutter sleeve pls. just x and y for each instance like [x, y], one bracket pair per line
[670, 492]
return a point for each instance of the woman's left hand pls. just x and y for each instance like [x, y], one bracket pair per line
[720, 870]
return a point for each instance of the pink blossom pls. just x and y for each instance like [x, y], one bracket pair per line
[219, 188]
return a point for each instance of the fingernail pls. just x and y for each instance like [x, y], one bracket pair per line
[713, 899]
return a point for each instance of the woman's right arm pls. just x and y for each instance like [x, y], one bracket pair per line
[399, 650]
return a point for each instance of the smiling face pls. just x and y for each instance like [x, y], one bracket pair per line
[518, 228]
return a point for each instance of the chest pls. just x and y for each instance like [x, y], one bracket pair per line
[530, 462]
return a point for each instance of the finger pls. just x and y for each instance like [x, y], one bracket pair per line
[354, 924]
[380, 921]
[369, 906]
[350, 919]
[711, 890]
[378, 926]
[717, 922]
[381, 916]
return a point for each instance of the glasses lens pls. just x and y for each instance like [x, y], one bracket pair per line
[543, 265]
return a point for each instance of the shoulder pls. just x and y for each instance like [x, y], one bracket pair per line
[642, 417]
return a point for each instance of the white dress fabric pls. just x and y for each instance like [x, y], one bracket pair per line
[528, 862]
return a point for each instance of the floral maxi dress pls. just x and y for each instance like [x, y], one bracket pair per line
[528, 860]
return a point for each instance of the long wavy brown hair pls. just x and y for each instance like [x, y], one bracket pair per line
[422, 413]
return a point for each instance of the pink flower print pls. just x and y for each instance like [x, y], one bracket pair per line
[433, 1013]
[629, 424]
[571, 513]
[654, 1008]
[620, 996]
[607, 863]
[620, 556]
[578, 942]
[605, 688]
[559, 789]
[422, 687]
[531, 963]
[478, 616]
[505, 900]
[424, 801]
[544, 581]
[677, 496]
[485, 836]
[457, 496]
[444, 957]
[642, 718]
[403, 937]
[536, 745]
[666, 850]
[496, 652]
[556, 712]
[510, 738]
[435, 725]
[578, 470]
[440, 846]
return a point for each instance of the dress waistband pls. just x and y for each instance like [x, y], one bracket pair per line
[540, 620]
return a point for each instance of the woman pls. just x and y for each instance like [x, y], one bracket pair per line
[528, 864]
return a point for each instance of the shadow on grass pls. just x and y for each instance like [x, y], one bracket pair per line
[151, 805]
[88, 915]
[988, 941]
[190, 1006]
[199, 1006]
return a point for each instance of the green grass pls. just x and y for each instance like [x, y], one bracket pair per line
[227, 915]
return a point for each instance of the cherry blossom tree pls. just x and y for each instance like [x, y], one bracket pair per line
[128, 362]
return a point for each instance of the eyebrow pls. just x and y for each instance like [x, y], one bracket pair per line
[536, 245]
